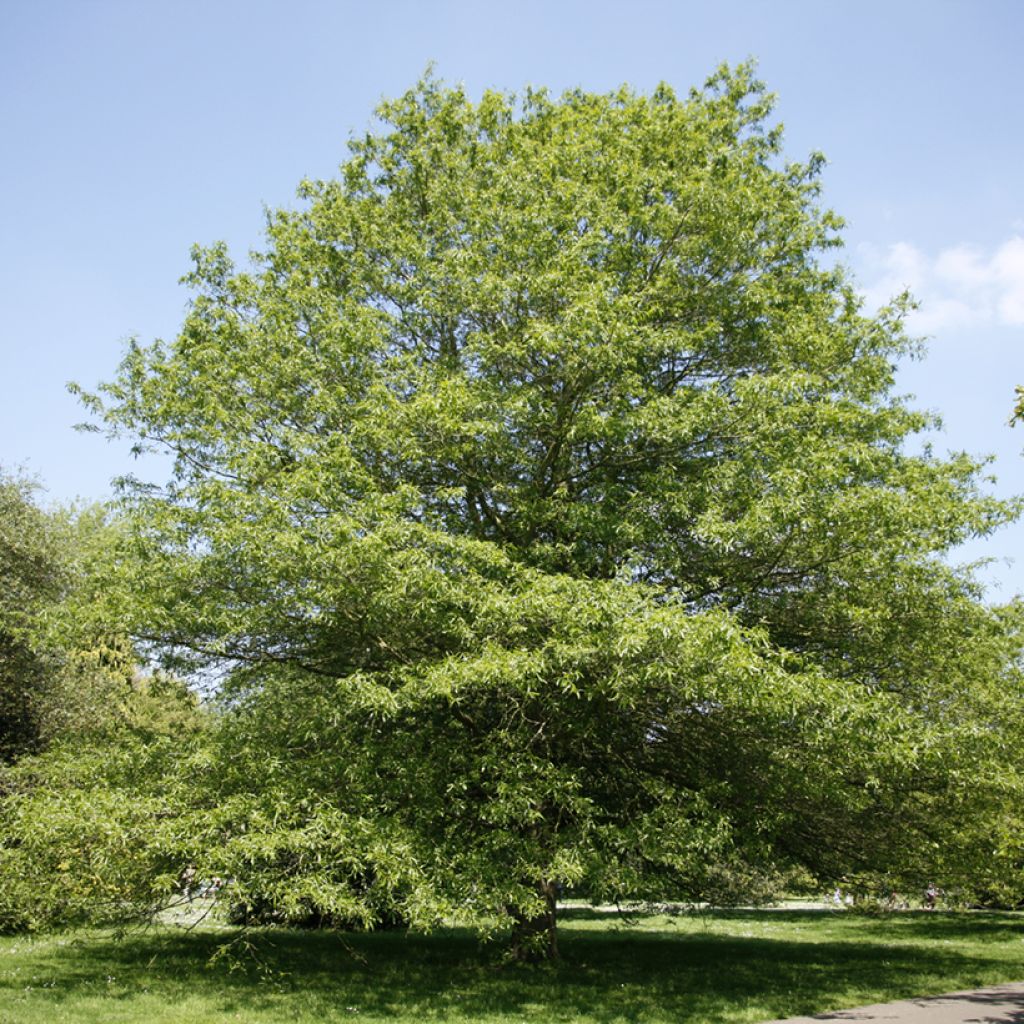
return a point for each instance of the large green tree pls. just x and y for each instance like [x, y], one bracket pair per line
[542, 492]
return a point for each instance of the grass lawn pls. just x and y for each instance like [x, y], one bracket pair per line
[722, 967]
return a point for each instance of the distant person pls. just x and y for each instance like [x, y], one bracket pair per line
[188, 877]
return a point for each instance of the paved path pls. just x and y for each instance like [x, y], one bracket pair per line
[1000, 1004]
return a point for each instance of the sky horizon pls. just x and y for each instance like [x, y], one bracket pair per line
[134, 131]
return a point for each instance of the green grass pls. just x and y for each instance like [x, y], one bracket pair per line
[722, 967]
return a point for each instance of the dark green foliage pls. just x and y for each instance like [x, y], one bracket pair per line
[33, 576]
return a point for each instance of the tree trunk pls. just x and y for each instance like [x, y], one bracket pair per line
[535, 939]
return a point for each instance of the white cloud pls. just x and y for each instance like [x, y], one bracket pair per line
[961, 286]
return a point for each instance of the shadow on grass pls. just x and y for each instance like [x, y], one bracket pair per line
[607, 974]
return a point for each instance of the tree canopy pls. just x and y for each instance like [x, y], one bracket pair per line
[541, 491]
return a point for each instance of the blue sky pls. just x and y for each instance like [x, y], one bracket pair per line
[131, 130]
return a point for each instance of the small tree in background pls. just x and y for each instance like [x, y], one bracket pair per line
[64, 664]
[83, 729]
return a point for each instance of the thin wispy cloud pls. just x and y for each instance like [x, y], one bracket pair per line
[961, 286]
